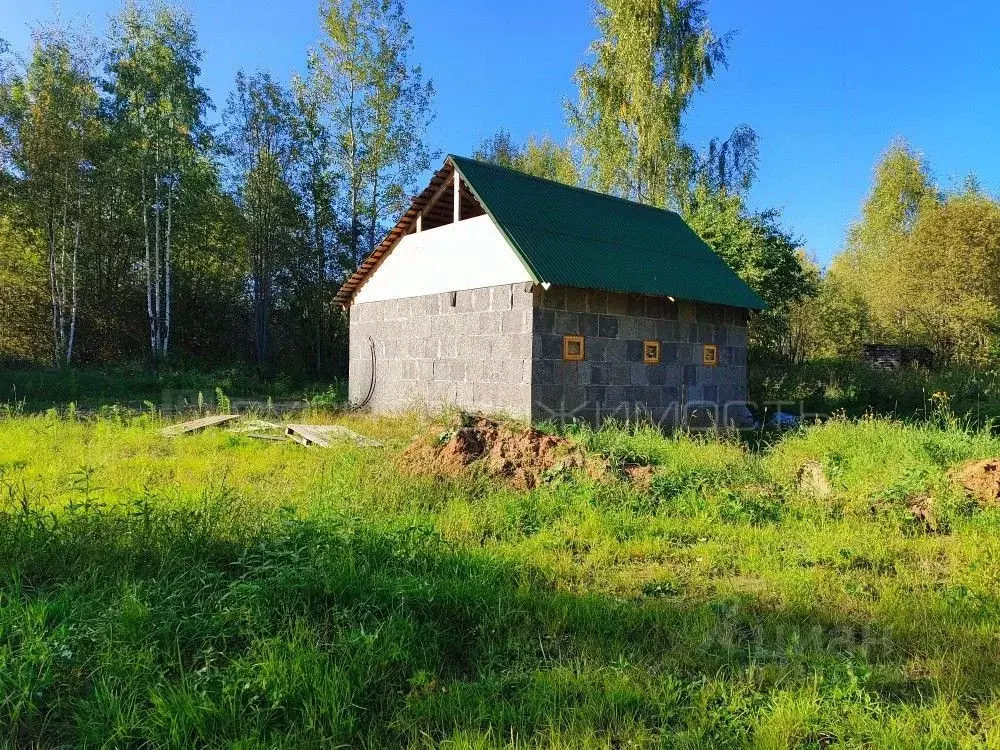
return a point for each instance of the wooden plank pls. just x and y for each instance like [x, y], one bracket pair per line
[307, 435]
[322, 434]
[196, 425]
[265, 436]
[340, 432]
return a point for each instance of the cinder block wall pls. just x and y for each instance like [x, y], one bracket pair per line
[470, 348]
[613, 380]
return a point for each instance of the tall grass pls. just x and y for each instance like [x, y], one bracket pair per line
[216, 591]
[842, 385]
[37, 389]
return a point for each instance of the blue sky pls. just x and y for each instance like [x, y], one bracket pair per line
[826, 85]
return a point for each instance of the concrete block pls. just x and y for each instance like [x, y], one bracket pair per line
[628, 328]
[635, 305]
[482, 299]
[576, 300]
[544, 320]
[512, 322]
[656, 307]
[565, 373]
[521, 348]
[566, 323]
[608, 326]
[656, 374]
[502, 298]
[551, 347]
[542, 372]
[488, 324]
[597, 301]
[596, 349]
[425, 370]
[524, 298]
[617, 304]
[554, 298]
[588, 324]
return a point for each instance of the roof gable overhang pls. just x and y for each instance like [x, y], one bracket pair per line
[433, 207]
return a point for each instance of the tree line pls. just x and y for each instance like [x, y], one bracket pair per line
[918, 269]
[132, 229]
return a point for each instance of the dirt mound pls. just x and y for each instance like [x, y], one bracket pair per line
[640, 475]
[980, 479]
[524, 456]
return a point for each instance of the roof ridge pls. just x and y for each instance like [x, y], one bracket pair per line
[598, 193]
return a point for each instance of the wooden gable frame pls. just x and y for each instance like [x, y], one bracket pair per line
[434, 207]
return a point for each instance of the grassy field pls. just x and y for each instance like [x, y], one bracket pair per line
[31, 388]
[829, 386]
[218, 591]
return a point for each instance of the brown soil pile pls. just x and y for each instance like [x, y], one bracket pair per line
[524, 456]
[639, 475]
[980, 479]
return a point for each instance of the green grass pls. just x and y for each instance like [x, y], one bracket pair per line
[216, 591]
[31, 388]
[828, 386]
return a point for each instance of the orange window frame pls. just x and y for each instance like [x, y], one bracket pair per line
[652, 352]
[574, 348]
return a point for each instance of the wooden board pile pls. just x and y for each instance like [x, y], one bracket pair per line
[308, 435]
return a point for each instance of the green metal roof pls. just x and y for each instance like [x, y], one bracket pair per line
[569, 236]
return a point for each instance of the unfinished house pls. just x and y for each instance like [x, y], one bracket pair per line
[502, 292]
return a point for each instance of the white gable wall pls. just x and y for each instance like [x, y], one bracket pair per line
[469, 254]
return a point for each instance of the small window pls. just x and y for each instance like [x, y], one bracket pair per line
[710, 355]
[573, 348]
[651, 352]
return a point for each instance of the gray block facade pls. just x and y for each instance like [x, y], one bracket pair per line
[500, 349]
[470, 348]
[613, 381]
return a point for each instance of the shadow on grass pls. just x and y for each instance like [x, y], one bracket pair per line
[211, 626]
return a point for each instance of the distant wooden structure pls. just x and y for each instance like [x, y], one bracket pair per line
[891, 358]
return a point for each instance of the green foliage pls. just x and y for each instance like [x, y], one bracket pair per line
[917, 267]
[232, 247]
[830, 385]
[24, 324]
[51, 115]
[650, 60]
[946, 271]
[214, 590]
[33, 389]
[378, 105]
[542, 158]
[762, 253]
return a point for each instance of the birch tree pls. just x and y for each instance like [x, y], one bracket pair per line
[260, 140]
[650, 60]
[53, 114]
[317, 185]
[378, 107]
[541, 157]
[159, 108]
